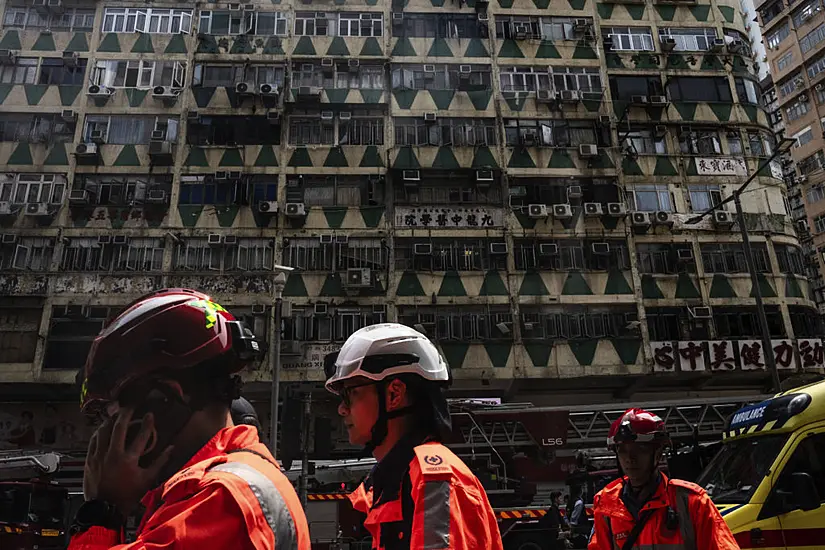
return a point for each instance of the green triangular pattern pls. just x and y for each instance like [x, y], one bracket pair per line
[524, 220]
[190, 214]
[67, 94]
[332, 286]
[499, 353]
[440, 48]
[686, 110]
[44, 43]
[627, 350]
[409, 285]
[605, 10]
[338, 47]
[207, 44]
[636, 11]
[371, 158]
[445, 159]
[493, 285]
[203, 95]
[274, 46]
[176, 45]
[651, 290]
[404, 98]
[454, 353]
[577, 5]
[521, 159]
[78, 43]
[403, 48]
[711, 63]
[11, 41]
[371, 47]
[267, 157]
[406, 159]
[701, 12]
[484, 158]
[231, 157]
[371, 96]
[541, 4]
[304, 47]
[614, 61]
[666, 12]
[631, 168]
[516, 103]
[336, 95]
[300, 158]
[506, 4]
[480, 99]
[127, 157]
[336, 158]
[561, 159]
[4, 92]
[720, 287]
[442, 98]
[617, 284]
[509, 48]
[196, 157]
[728, 13]
[610, 223]
[335, 216]
[584, 51]
[539, 352]
[451, 285]
[575, 285]
[57, 156]
[242, 45]
[135, 96]
[22, 155]
[547, 50]
[143, 44]
[685, 287]
[476, 48]
[765, 287]
[533, 285]
[295, 286]
[584, 350]
[226, 214]
[603, 161]
[372, 215]
[664, 167]
[117, 216]
[34, 92]
[721, 110]
[676, 61]
[690, 168]
[109, 44]
[792, 288]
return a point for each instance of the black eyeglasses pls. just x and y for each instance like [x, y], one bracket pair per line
[345, 392]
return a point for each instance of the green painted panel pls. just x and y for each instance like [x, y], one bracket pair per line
[437, 3]
[610, 223]
[445, 159]
[44, 43]
[451, 285]
[4, 92]
[336, 158]
[532, 285]
[295, 286]
[143, 44]
[541, 4]
[371, 47]
[686, 110]
[442, 98]
[685, 288]
[690, 167]
[372, 215]
[176, 45]
[454, 353]
[476, 48]
[338, 48]
[561, 159]
[371, 96]
[127, 157]
[575, 285]
[332, 286]
[700, 12]
[57, 156]
[509, 48]
[666, 12]
[242, 45]
[577, 5]
[516, 103]
[109, 44]
[300, 158]
[627, 350]
[409, 285]
[231, 157]
[636, 11]
[602, 161]
[664, 167]
[403, 48]
[78, 43]
[792, 288]
[539, 352]
[614, 61]
[404, 98]
[335, 216]
[765, 287]
[207, 44]
[67, 94]
[506, 4]
[547, 50]
[304, 47]
[336, 95]
[676, 61]
[584, 51]
[22, 155]
[584, 350]
[267, 157]
[189, 214]
[440, 48]
[203, 95]
[226, 214]
[721, 110]
[480, 99]
[720, 287]
[484, 158]
[605, 11]
[499, 352]
[521, 159]
[117, 216]
[196, 157]
[406, 159]
[631, 168]
[751, 112]
[135, 96]
[524, 220]
[34, 92]
[274, 46]
[493, 285]
[617, 283]
[645, 61]
[371, 158]
[11, 41]
[650, 289]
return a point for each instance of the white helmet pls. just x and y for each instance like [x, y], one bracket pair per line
[380, 351]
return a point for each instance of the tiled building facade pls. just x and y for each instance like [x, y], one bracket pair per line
[512, 178]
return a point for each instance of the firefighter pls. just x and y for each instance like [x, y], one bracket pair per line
[161, 378]
[244, 414]
[644, 507]
[390, 379]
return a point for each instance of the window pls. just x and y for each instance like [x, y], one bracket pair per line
[805, 12]
[361, 130]
[816, 67]
[690, 40]
[772, 40]
[311, 130]
[543, 190]
[644, 141]
[747, 91]
[744, 44]
[367, 77]
[205, 190]
[811, 163]
[730, 258]
[234, 22]
[120, 190]
[819, 224]
[439, 25]
[649, 198]
[812, 40]
[27, 254]
[806, 322]
[804, 137]
[233, 130]
[147, 20]
[41, 128]
[734, 143]
[447, 255]
[742, 322]
[28, 188]
[797, 110]
[249, 254]
[310, 254]
[129, 129]
[552, 323]
[630, 38]
[815, 194]
[520, 78]
[19, 330]
[664, 258]
[769, 13]
[820, 98]
[704, 197]
[72, 18]
[88, 254]
[228, 75]
[692, 88]
[583, 79]
[559, 28]
[625, 87]
[523, 79]
[445, 77]
[571, 254]
[336, 325]
[761, 144]
[699, 141]
[53, 71]
[309, 23]
[71, 333]
[360, 24]
[457, 132]
[315, 190]
[671, 323]
[791, 85]
[22, 71]
[554, 133]
[790, 258]
[518, 27]
[785, 61]
[473, 323]
[139, 74]
[270, 23]
[447, 188]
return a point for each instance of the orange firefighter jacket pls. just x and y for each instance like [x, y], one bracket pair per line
[231, 494]
[699, 525]
[425, 497]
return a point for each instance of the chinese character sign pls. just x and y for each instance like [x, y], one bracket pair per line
[751, 355]
[721, 356]
[664, 356]
[691, 356]
[783, 354]
[721, 166]
[430, 217]
[811, 353]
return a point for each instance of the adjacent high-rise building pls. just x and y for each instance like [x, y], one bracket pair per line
[516, 179]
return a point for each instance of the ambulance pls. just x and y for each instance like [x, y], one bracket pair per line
[768, 480]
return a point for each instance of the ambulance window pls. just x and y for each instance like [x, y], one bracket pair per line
[809, 457]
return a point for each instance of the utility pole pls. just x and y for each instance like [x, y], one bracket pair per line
[275, 355]
[302, 486]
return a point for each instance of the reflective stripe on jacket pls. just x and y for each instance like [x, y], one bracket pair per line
[437, 504]
[231, 494]
[700, 526]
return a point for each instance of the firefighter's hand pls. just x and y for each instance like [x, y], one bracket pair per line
[112, 472]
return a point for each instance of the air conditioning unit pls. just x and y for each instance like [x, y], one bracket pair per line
[70, 59]
[464, 71]
[158, 135]
[353, 65]
[638, 99]
[358, 277]
[345, 115]
[640, 219]
[662, 217]
[820, 87]
[397, 18]
[295, 210]
[562, 211]
[120, 239]
[717, 45]
[230, 240]
[600, 248]
[273, 117]
[658, 100]
[9, 238]
[99, 92]
[234, 175]
[429, 69]
[37, 209]
[588, 150]
[160, 148]
[97, 136]
[528, 139]
[537, 211]
[569, 96]
[269, 89]
[157, 196]
[484, 176]
[799, 82]
[221, 175]
[258, 309]
[616, 210]
[268, 207]
[245, 88]
[326, 239]
[411, 175]
[86, 150]
[668, 43]
[736, 46]
[379, 308]
[78, 197]
[193, 116]
[803, 98]
[604, 120]
[700, 312]
[327, 63]
[545, 96]
[548, 249]
[660, 130]
[321, 309]
[5, 208]
[684, 254]
[214, 239]
[309, 92]
[422, 249]
[327, 115]
[722, 218]
[593, 209]
[341, 239]
[8, 57]
[165, 92]
[574, 192]
[483, 17]
[68, 116]
[498, 249]
[430, 117]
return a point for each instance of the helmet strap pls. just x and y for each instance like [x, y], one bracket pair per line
[379, 430]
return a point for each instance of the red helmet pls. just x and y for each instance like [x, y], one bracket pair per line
[170, 329]
[637, 425]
